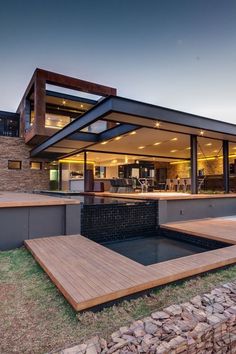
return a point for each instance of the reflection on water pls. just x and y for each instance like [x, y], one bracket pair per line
[150, 250]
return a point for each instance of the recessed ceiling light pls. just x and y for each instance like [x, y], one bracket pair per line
[114, 161]
[81, 105]
[132, 133]
[174, 139]
[158, 143]
[118, 138]
[157, 124]
[188, 148]
[104, 142]
[199, 153]
[201, 132]
[208, 144]
[64, 102]
[141, 147]
[173, 150]
[215, 150]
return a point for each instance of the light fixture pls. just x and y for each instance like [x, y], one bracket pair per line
[141, 147]
[199, 153]
[202, 132]
[174, 139]
[63, 102]
[208, 144]
[118, 138]
[133, 133]
[104, 142]
[215, 150]
[114, 161]
[157, 124]
[173, 150]
[158, 143]
[188, 148]
[81, 105]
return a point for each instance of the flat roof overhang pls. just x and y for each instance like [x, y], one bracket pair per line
[131, 115]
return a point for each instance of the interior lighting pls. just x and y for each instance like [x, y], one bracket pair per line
[174, 139]
[104, 142]
[133, 133]
[208, 144]
[201, 132]
[157, 124]
[173, 150]
[118, 138]
[158, 143]
[141, 147]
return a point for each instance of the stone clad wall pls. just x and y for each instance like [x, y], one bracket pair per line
[204, 325]
[24, 179]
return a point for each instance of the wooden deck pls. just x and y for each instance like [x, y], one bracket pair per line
[89, 274]
[220, 229]
[12, 200]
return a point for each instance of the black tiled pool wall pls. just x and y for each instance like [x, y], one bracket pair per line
[109, 222]
[195, 240]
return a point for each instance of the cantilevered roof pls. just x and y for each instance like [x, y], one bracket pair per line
[129, 116]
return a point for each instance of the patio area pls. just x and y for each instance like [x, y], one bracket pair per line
[89, 274]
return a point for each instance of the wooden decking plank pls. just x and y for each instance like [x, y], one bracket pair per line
[212, 228]
[89, 274]
[99, 274]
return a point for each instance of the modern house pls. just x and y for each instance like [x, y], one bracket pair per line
[61, 139]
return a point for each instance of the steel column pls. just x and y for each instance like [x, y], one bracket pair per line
[226, 165]
[194, 181]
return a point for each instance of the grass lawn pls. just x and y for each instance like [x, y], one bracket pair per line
[35, 317]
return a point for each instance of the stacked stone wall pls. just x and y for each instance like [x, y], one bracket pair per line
[24, 179]
[204, 325]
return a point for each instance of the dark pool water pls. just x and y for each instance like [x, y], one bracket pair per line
[150, 250]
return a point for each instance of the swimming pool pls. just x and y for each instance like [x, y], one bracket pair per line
[155, 249]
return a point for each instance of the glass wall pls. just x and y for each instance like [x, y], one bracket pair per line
[9, 126]
[210, 165]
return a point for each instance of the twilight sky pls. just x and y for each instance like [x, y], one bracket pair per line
[175, 53]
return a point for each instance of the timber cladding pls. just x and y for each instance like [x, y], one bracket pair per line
[25, 178]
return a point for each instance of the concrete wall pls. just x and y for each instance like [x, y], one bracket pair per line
[187, 209]
[24, 179]
[21, 223]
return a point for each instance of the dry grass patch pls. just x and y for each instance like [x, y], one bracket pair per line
[35, 317]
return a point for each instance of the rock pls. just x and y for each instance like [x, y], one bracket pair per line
[94, 342]
[139, 331]
[173, 310]
[125, 330]
[115, 335]
[187, 306]
[91, 349]
[213, 319]
[218, 308]
[129, 338]
[160, 315]
[117, 346]
[196, 301]
[186, 325]
[150, 327]
[77, 349]
[200, 315]
[187, 315]
[163, 348]
[103, 343]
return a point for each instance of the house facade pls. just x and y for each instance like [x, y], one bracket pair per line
[73, 135]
